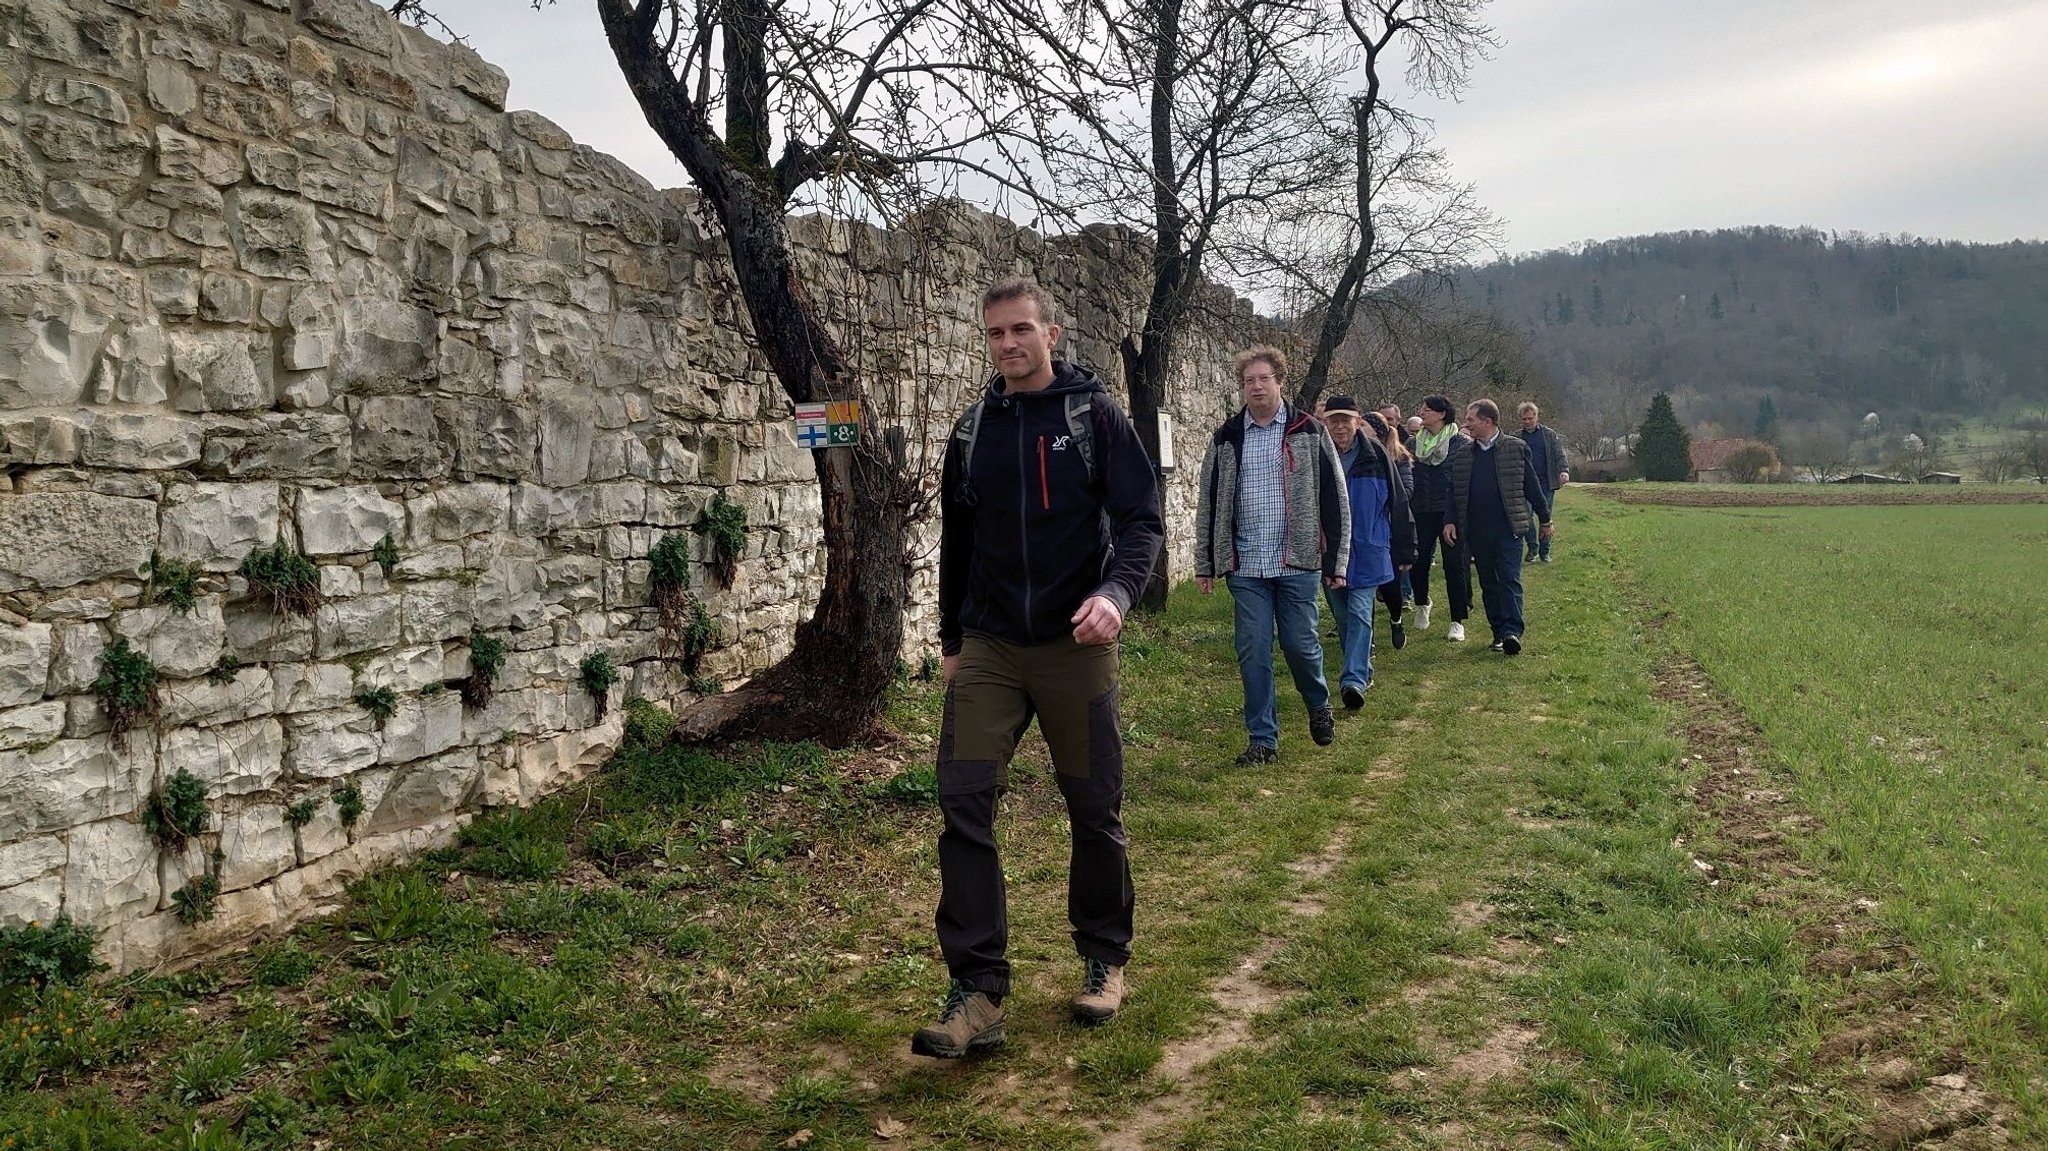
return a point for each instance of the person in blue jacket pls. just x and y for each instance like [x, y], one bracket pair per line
[1382, 541]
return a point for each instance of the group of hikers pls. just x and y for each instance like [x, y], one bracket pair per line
[1050, 518]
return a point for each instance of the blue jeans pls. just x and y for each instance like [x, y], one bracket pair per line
[1538, 547]
[1286, 604]
[1352, 606]
[1499, 560]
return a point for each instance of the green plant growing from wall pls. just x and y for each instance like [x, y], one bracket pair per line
[486, 660]
[599, 673]
[705, 685]
[380, 702]
[127, 687]
[301, 813]
[177, 810]
[39, 955]
[386, 554]
[725, 524]
[290, 580]
[196, 902]
[173, 582]
[348, 803]
[668, 588]
[225, 671]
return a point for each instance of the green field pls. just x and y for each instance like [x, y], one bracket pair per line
[1742, 852]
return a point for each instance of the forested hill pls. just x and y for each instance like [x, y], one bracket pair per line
[1828, 325]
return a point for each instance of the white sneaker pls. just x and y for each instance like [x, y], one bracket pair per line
[1456, 634]
[1422, 617]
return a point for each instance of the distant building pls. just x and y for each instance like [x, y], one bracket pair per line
[1870, 478]
[1941, 478]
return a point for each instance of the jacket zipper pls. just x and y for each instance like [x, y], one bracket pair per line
[1044, 486]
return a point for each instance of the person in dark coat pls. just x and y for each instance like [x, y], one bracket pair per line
[1546, 451]
[1496, 499]
[1435, 445]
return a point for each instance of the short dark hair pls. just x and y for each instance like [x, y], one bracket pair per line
[1486, 408]
[1019, 288]
[1441, 405]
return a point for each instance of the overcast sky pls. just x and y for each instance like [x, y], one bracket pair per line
[1603, 118]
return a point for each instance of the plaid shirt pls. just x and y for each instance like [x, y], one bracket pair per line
[1261, 535]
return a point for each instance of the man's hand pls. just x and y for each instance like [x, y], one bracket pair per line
[948, 664]
[1334, 581]
[1545, 531]
[1451, 534]
[1098, 621]
[1563, 478]
[1206, 583]
[1405, 567]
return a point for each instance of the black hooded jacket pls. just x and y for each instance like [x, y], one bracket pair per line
[1026, 538]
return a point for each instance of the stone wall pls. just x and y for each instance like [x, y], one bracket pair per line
[287, 270]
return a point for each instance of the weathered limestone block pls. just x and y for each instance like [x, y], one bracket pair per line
[493, 439]
[29, 861]
[255, 634]
[34, 725]
[73, 665]
[422, 726]
[567, 431]
[183, 157]
[256, 843]
[335, 190]
[133, 367]
[385, 343]
[225, 299]
[54, 540]
[279, 237]
[112, 874]
[425, 792]
[545, 765]
[233, 758]
[72, 781]
[39, 439]
[339, 521]
[344, 627]
[438, 609]
[48, 341]
[508, 595]
[294, 445]
[92, 39]
[460, 510]
[573, 582]
[245, 695]
[142, 441]
[396, 437]
[215, 372]
[179, 643]
[357, 23]
[331, 744]
[36, 901]
[25, 651]
[218, 524]
[299, 687]
[340, 581]
[408, 669]
[169, 88]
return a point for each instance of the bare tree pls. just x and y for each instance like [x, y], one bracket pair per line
[1406, 215]
[863, 95]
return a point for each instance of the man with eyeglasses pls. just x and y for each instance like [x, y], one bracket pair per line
[1274, 523]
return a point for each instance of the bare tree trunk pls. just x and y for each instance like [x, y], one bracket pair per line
[1343, 305]
[831, 685]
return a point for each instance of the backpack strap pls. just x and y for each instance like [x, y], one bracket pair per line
[1081, 417]
[965, 430]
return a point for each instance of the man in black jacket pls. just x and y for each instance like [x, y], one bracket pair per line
[1049, 520]
[1496, 499]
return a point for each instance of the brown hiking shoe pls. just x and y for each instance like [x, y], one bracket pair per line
[970, 1021]
[1102, 993]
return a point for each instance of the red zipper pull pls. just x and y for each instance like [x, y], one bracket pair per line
[1044, 485]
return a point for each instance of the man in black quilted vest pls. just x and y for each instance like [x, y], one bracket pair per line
[1496, 499]
[1049, 518]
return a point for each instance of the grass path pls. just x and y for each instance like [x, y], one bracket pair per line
[1574, 898]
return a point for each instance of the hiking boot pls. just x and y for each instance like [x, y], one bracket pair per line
[1400, 636]
[1457, 632]
[1102, 993]
[1322, 727]
[1495, 646]
[1256, 754]
[1422, 617]
[1511, 644]
[970, 1021]
[1354, 697]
